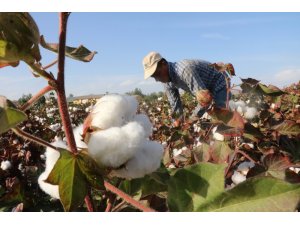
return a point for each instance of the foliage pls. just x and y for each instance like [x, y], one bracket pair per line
[201, 158]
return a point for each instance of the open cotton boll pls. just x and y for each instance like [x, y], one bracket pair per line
[113, 110]
[145, 161]
[143, 120]
[51, 158]
[131, 107]
[232, 105]
[78, 137]
[114, 146]
[110, 111]
[237, 177]
[250, 113]
[244, 167]
[240, 103]
[217, 136]
[5, 165]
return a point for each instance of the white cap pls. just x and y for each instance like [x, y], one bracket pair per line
[150, 63]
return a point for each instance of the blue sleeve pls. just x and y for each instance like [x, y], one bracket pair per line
[174, 99]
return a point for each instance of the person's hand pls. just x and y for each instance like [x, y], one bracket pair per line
[204, 97]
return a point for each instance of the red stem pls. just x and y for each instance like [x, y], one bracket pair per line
[36, 97]
[32, 138]
[51, 64]
[61, 95]
[127, 198]
[88, 203]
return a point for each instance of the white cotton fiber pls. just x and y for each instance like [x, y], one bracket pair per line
[114, 146]
[143, 120]
[250, 113]
[232, 105]
[244, 167]
[241, 103]
[113, 110]
[237, 177]
[132, 105]
[217, 136]
[51, 158]
[109, 111]
[78, 137]
[6, 165]
[145, 161]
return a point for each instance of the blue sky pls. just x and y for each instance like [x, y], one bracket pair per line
[265, 46]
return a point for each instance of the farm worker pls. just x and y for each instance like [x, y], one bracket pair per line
[197, 77]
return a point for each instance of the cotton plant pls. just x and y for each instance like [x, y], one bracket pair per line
[117, 137]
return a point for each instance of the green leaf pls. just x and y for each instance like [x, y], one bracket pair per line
[71, 181]
[90, 169]
[153, 183]
[291, 145]
[20, 38]
[80, 53]
[15, 194]
[192, 186]
[202, 153]
[252, 132]
[276, 165]
[288, 127]
[270, 90]
[232, 119]
[250, 81]
[220, 152]
[264, 194]
[9, 115]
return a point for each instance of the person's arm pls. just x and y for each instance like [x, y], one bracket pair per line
[174, 100]
[203, 96]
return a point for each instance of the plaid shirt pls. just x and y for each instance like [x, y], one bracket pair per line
[191, 76]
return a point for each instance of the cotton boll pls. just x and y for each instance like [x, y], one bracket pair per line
[240, 110]
[132, 105]
[250, 113]
[143, 120]
[244, 167]
[217, 136]
[135, 135]
[145, 161]
[6, 165]
[113, 110]
[114, 146]
[78, 137]
[51, 158]
[110, 111]
[176, 152]
[237, 177]
[164, 144]
[241, 103]
[232, 105]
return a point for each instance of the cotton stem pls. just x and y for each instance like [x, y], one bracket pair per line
[36, 97]
[32, 138]
[127, 198]
[60, 84]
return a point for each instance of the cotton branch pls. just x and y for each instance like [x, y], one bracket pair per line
[60, 83]
[36, 97]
